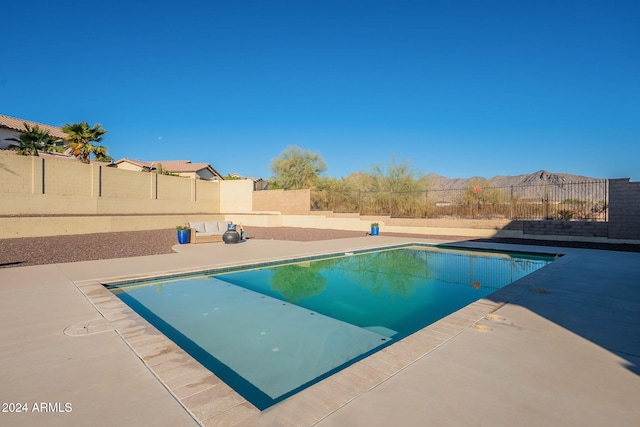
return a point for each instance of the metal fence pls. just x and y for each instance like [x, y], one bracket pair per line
[479, 271]
[586, 200]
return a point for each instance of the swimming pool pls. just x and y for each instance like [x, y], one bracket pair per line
[273, 330]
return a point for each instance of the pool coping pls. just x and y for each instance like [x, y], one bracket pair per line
[211, 402]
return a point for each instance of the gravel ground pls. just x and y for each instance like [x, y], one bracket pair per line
[84, 247]
[59, 249]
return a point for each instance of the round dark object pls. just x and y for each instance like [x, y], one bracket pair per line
[231, 236]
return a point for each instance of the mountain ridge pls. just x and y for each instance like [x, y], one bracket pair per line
[542, 176]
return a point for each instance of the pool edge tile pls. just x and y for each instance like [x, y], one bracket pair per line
[211, 402]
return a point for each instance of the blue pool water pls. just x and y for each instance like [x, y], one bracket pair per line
[271, 331]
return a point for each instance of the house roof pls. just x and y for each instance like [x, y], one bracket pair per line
[238, 176]
[51, 155]
[174, 166]
[16, 124]
[178, 166]
[134, 162]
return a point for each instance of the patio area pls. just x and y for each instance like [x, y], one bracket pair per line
[559, 347]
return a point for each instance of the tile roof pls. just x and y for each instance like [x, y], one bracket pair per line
[180, 165]
[52, 155]
[174, 166]
[134, 162]
[18, 124]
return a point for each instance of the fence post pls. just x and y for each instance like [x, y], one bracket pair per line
[153, 177]
[37, 175]
[511, 201]
[546, 201]
[426, 203]
[43, 176]
[606, 200]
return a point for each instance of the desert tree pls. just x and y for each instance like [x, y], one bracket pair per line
[480, 197]
[397, 187]
[334, 194]
[395, 177]
[296, 168]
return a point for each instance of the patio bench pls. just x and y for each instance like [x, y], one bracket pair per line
[207, 231]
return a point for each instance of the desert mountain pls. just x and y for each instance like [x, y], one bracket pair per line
[438, 182]
[540, 185]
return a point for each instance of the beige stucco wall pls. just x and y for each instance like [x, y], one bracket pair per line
[236, 196]
[15, 227]
[20, 177]
[126, 184]
[469, 228]
[12, 227]
[41, 197]
[31, 185]
[295, 202]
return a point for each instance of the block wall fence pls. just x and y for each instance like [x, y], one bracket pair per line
[35, 185]
[292, 202]
[110, 199]
[624, 209]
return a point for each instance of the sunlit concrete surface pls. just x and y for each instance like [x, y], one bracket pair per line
[559, 347]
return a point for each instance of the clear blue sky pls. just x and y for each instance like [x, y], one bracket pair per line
[457, 88]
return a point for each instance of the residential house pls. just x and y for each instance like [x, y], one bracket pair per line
[132, 165]
[258, 183]
[12, 127]
[179, 167]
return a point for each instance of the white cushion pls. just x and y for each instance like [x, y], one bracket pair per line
[211, 227]
[199, 226]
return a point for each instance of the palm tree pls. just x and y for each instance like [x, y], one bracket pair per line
[100, 151]
[32, 140]
[80, 138]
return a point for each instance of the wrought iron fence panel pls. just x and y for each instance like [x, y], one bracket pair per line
[587, 200]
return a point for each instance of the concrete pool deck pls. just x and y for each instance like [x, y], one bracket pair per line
[558, 347]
